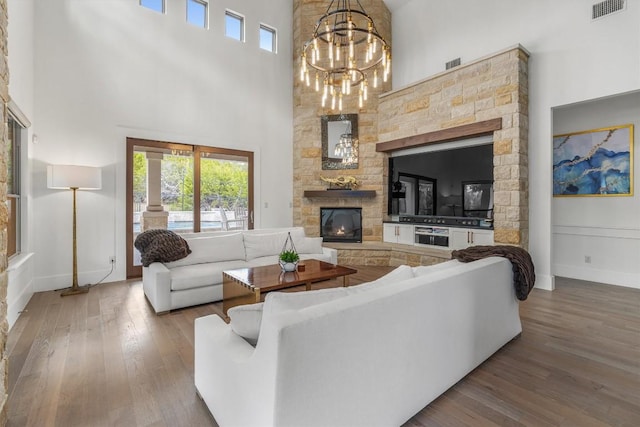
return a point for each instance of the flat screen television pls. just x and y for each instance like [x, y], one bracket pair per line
[436, 182]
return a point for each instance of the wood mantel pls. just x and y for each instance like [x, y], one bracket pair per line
[459, 132]
[340, 193]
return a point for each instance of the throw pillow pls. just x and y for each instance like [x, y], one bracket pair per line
[245, 320]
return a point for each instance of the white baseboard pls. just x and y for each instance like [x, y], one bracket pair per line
[63, 281]
[545, 282]
[609, 277]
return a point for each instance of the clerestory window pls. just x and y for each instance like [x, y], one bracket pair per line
[157, 5]
[267, 38]
[234, 25]
[197, 13]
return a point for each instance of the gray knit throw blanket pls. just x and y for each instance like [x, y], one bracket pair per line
[524, 276]
[161, 246]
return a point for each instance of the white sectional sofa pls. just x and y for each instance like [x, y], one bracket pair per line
[197, 279]
[369, 355]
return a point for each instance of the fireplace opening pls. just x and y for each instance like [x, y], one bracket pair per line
[341, 224]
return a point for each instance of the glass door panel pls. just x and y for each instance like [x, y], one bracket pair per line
[177, 190]
[224, 190]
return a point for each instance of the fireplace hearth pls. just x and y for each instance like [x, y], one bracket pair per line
[341, 224]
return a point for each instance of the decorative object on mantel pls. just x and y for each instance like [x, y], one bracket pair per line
[341, 182]
[344, 46]
[288, 258]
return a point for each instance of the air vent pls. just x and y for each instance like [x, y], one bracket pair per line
[452, 63]
[607, 7]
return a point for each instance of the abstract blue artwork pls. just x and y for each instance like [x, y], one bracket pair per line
[596, 162]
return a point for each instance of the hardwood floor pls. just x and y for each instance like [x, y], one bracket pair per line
[104, 359]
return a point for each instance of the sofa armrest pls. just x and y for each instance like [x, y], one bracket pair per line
[156, 282]
[333, 253]
[229, 372]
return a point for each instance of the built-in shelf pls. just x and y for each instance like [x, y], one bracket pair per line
[340, 193]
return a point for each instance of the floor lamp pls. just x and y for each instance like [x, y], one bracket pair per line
[74, 178]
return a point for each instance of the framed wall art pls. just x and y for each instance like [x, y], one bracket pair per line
[597, 162]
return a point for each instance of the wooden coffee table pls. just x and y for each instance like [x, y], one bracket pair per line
[246, 285]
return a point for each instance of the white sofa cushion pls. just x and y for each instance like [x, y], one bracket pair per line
[310, 245]
[398, 274]
[264, 244]
[245, 321]
[276, 302]
[427, 269]
[261, 245]
[199, 275]
[248, 318]
[228, 247]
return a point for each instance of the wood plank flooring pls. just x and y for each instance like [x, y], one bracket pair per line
[104, 359]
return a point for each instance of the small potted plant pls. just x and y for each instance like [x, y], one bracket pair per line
[289, 260]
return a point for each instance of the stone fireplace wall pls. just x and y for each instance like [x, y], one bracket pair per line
[494, 87]
[4, 93]
[307, 147]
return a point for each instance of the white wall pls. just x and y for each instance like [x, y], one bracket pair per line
[105, 70]
[605, 229]
[572, 59]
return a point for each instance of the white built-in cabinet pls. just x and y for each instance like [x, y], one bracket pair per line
[398, 233]
[460, 238]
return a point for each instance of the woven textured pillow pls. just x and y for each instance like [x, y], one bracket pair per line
[160, 246]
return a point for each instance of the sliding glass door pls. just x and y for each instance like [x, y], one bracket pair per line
[185, 189]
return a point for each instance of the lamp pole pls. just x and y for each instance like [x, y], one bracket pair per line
[75, 289]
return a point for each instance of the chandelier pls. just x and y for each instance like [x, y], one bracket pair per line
[347, 147]
[345, 52]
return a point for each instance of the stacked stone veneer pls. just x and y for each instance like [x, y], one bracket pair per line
[307, 145]
[492, 87]
[4, 214]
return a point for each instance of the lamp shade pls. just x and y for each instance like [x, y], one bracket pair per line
[71, 176]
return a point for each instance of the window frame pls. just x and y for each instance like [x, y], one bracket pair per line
[164, 7]
[231, 14]
[15, 200]
[204, 3]
[274, 38]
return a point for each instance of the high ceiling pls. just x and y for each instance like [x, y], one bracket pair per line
[393, 5]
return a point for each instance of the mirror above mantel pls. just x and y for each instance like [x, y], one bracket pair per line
[339, 141]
